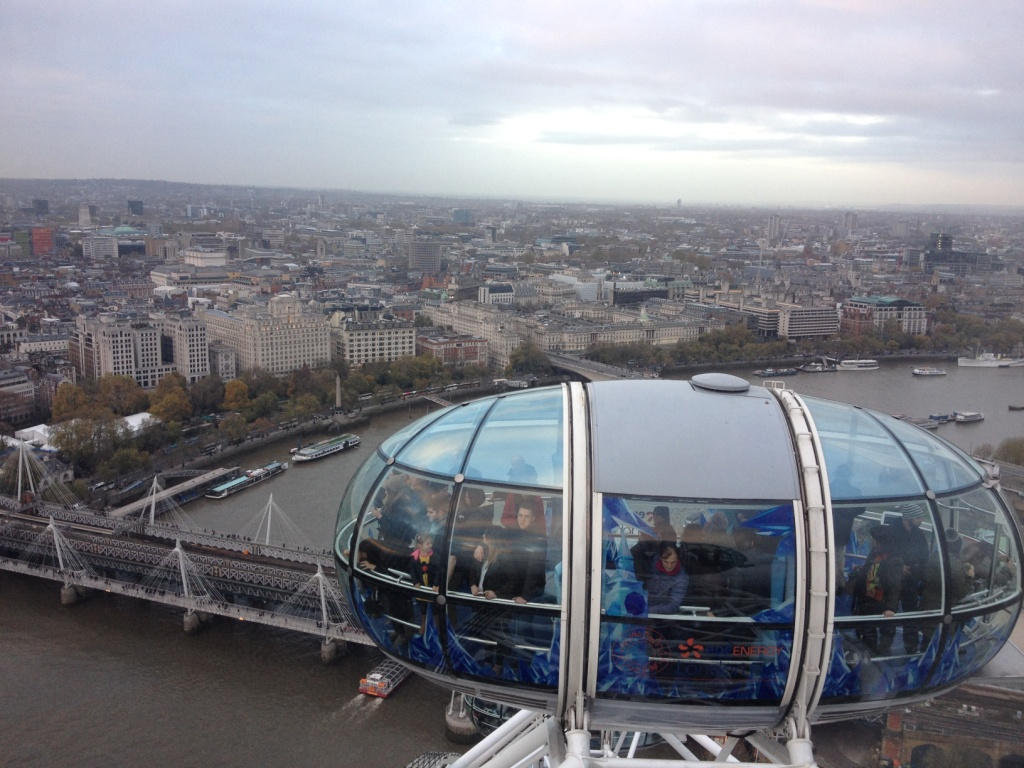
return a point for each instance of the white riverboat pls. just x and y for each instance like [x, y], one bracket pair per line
[990, 360]
[865, 364]
[326, 448]
[929, 372]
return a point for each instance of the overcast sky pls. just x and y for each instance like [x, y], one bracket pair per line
[843, 102]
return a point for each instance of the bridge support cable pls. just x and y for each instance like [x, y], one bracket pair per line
[25, 477]
[178, 575]
[320, 598]
[153, 491]
[272, 524]
[51, 549]
[23, 473]
[159, 504]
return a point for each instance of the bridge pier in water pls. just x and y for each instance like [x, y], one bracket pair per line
[193, 621]
[71, 594]
[330, 650]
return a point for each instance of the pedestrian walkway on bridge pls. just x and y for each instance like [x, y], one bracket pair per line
[205, 583]
[199, 481]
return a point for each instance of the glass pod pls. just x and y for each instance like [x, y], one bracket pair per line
[661, 550]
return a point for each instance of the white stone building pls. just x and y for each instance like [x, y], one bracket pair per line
[281, 337]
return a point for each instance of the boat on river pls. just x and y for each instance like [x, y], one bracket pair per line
[246, 480]
[818, 368]
[965, 417]
[326, 447]
[1016, 407]
[928, 372]
[990, 360]
[766, 373]
[865, 364]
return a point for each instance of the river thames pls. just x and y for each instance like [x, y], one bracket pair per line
[116, 682]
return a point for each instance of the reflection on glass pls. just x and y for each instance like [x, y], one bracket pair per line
[863, 459]
[944, 466]
[402, 550]
[441, 447]
[521, 441]
[971, 643]
[985, 547]
[903, 569]
[390, 446]
[697, 599]
[494, 555]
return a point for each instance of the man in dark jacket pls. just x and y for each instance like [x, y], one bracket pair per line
[912, 546]
[876, 589]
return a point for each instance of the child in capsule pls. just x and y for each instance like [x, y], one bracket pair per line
[427, 570]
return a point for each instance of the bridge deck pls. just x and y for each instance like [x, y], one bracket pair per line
[341, 632]
[207, 477]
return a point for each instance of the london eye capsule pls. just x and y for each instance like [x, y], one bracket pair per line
[701, 554]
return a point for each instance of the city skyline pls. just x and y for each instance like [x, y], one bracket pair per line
[820, 103]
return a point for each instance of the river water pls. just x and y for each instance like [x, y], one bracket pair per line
[115, 681]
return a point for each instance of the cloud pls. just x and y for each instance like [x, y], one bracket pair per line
[343, 92]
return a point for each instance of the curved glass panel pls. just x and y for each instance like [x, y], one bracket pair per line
[358, 489]
[402, 563]
[891, 595]
[862, 459]
[521, 441]
[492, 554]
[904, 568]
[390, 446]
[970, 643]
[696, 599]
[505, 591]
[944, 467]
[442, 446]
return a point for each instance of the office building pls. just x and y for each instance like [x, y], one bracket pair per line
[99, 247]
[145, 350]
[800, 322]
[850, 223]
[281, 337]
[425, 255]
[86, 215]
[223, 361]
[454, 351]
[17, 397]
[42, 241]
[383, 340]
[862, 313]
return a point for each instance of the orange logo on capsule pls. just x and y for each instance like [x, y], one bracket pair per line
[690, 649]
